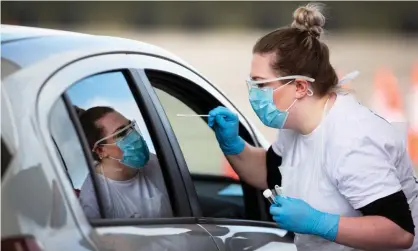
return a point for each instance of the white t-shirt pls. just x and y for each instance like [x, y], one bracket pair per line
[143, 196]
[351, 159]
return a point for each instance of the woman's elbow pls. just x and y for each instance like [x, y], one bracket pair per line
[406, 240]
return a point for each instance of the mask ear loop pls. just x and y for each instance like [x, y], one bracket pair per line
[278, 88]
[294, 101]
[309, 92]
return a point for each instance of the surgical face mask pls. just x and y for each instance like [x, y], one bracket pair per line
[261, 100]
[132, 144]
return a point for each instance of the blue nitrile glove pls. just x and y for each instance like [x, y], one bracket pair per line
[226, 123]
[297, 216]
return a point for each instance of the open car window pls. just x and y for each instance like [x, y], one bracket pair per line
[220, 192]
[128, 186]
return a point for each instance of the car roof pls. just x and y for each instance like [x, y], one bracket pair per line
[24, 46]
[13, 32]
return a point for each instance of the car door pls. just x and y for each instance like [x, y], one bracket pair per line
[54, 115]
[233, 212]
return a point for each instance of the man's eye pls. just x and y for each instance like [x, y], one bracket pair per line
[124, 133]
[261, 86]
[120, 135]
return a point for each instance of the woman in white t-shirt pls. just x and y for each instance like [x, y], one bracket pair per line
[128, 175]
[346, 176]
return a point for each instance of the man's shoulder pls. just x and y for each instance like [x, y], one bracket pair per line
[87, 184]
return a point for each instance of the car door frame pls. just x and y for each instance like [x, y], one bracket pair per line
[62, 78]
[177, 68]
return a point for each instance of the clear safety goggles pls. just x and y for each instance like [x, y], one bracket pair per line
[260, 83]
[118, 135]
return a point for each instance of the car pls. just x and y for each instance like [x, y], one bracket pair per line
[45, 75]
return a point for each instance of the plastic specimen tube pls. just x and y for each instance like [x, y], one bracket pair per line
[269, 196]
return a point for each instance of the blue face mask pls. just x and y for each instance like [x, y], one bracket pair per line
[132, 144]
[135, 150]
[261, 100]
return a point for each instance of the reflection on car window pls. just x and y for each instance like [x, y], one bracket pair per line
[69, 147]
[126, 166]
[8, 68]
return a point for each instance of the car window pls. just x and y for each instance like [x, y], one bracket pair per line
[197, 142]
[218, 188]
[126, 166]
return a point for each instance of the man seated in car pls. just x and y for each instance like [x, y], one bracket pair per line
[128, 175]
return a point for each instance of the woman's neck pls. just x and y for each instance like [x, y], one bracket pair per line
[311, 112]
[115, 171]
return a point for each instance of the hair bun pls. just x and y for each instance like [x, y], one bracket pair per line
[309, 18]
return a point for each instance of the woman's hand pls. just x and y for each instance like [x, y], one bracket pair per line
[226, 124]
[364, 232]
[298, 216]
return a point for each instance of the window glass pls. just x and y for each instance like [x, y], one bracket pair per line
[126, 169]
[218, 196]
[109, 89]
[197, 140]
[69, 149]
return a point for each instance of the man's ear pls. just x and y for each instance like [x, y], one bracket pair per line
[301, 88]
[101, 153]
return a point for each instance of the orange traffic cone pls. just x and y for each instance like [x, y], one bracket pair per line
[386, 98]
[413, 116]
[227, 169]
[387, 101]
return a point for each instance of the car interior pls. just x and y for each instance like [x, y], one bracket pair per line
[236, 199]
[219, 196]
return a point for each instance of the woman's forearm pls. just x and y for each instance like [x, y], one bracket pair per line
[372, 233]
[250, 165]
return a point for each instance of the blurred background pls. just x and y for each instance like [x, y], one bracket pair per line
[379, 39]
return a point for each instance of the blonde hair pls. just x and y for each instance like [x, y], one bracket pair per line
[309, 18]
